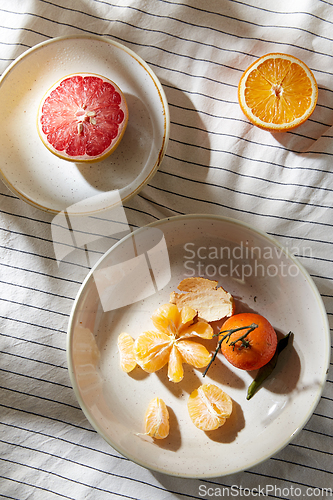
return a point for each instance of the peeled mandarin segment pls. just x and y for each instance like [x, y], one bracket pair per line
[187, 315]
[200, 329]
[152, 350]
[209, 407]
[175, 365]
[157, 419]
[126, 351]
[193, 353]
[278, 92]
[166, 319]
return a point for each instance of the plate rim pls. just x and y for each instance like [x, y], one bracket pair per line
[159, 88]
[320, 303]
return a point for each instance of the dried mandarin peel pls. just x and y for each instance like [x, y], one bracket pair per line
[212, 303]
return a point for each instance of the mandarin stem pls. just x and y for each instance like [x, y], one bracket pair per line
[227, 336]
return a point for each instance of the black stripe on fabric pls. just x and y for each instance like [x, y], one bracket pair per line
[25, 217]
[153, 64]
[234, 136]
[39, 469]
[46, 240]
[215, 203]
[42, 274]
[249, 6]
[75, 481]
[108, 473]
[231, 118]
[34, 486]
[243, 193]
[303, 238]
[283, 479]
[182, 21]
[47, 417]
[72, 443]
[35, 307]
[308, 448]
[6, 496]
[37, 290]
[39, 361]
[33, 324]
[42, 398]
[37, 379]
[45, 256]
[29, 341]
[265, 162]
[317, 432]
[275, 459]
[168, 34]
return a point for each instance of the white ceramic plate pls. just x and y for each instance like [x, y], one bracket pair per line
[120, 295]
[53, 184]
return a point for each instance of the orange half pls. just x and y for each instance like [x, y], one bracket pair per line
[277, 92]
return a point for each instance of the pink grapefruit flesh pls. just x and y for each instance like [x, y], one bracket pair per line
[82, 117]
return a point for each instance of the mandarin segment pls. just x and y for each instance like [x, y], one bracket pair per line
[126, 352]
[200, 329]
[166, 319]
[157, 419]
[209, 407]
[152, 350]
[170, 344]
[193, 353]
[175, 365]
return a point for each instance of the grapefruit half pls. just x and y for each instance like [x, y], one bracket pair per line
[82, 117]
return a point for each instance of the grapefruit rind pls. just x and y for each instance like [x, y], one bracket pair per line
[83, 158]
[271, 126]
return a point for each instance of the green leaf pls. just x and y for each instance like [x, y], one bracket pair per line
[267, 369]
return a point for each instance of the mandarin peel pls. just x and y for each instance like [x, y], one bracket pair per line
[212, 303]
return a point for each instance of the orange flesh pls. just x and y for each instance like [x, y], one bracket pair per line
[273, 89]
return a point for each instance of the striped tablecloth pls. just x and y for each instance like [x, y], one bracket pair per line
[215, 163]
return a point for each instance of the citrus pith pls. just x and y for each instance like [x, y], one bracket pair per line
[82, 117]
[278, 92]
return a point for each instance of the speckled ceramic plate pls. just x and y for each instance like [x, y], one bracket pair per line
[53, 184]
[132, 280]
